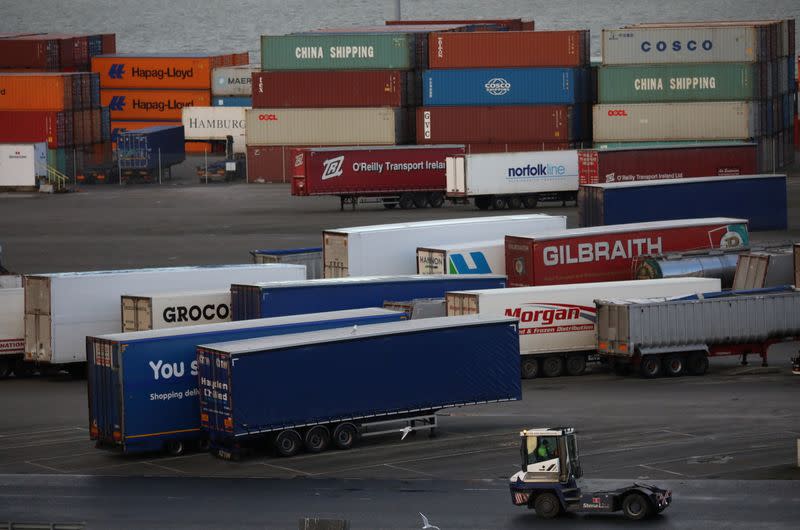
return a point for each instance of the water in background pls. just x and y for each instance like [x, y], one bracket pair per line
[155, 26]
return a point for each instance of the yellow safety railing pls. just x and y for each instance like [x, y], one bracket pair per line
[57, 179]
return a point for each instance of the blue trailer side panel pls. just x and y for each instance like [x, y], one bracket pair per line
[759, 198]
[146, 389]
[506, 86]
[140, 149]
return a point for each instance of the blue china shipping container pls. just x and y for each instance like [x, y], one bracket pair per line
[335, 385]
[143, 384]
[506, 86]
[146, 148]
[231, 101]
[761, 199]
[272, 299]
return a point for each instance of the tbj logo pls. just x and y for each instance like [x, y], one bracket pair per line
[333, 167]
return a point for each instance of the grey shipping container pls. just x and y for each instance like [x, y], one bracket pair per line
[233, 80]
[310, 257]
[756, 270]
[419, 308]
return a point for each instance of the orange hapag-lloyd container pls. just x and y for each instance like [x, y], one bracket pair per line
[40, 91]
[155, 105]
[185, 72]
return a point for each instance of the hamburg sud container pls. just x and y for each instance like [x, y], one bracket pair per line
[329, 126]
[342, 51]
[215, 123]
[36, 126]
[607, 253]
[232, 80]
[333, 88]
[623, 164]
[759, 198]
[143, 385]
[370, 170]
[39, 91]
[156, 105]
[506, 86]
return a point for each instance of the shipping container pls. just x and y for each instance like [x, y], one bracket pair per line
[506, 86]
[39, 91]
[216, 123]
[154, 105]
[12, 329]
[269, 164]
[557, 323]
[679, 82]
[365, 126]
[338, 51]
[231, 101]
[311, 257]
[624, 164]
[21, 165]
[182, 72]
[151, 148]
[143, 312]
[607, 253]
[143, 385]
[500, 124]
[391, 248]
[38, 52]
[761, 199]
[333, 88]
[419, 308]
[233, 81]
[344, 390]
[119, 127]
[475, 149]
[472, 257]
[34, 126]
[509, 49]
[757, 270]
[62, 309]
[511, 24]
[637, 122]
[273, 299]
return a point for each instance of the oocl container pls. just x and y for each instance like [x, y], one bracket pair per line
[185, 72]
[39, 91]
[156, 105]
[338, 51]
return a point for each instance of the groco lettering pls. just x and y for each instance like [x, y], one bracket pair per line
[195, 313]
[618, 112]
[676, 46]
[267, 117]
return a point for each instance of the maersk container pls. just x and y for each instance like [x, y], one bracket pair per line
[61, 309]
[311, 257]
[143, 393]
[272, 299]
[230, 101]
[638, 122]
[232, 80]
[338, 51]
[143, 311]
[761, 199]
[679, 82]
[391, 248]
[151, 147]
[557, 322]
[12, 328]
[332, 386]
[506, 86]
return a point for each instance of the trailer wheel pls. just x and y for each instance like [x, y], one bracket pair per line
[421, 200]
[673, 365]
[553, 366]
[482, 203]
[288, 442]
[317, 439]
[547, 505]
[5, 368]
[576, 364]
[529, 367]
[406, 201]
[650, 366]
[636, 506]
[436, 199]
[697, 363]
[174, 447]
[498, 202]
[514, 202]
[344, 435]
[23, 368]
[530, 201]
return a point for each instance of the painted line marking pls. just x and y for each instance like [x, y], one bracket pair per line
[173, 470]
[59, 471]
[289, 469]
[400, 468]
[661, 470]
[44, 443]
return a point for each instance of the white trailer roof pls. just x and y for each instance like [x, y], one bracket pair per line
[165, 269]
[168, 294]
[434, 223]
[368, 279]
[632, 227]
[580, 286]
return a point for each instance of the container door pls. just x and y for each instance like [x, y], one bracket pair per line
[129, 321]
[38, 343]
[105, 392]
[335, 256]
[144, 314]
[796, 264]
[216, 407]
[430, 261]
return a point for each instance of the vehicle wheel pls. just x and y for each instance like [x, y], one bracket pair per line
[530, 201]
[576, 364]
[317, 439]
[436, 199]
[389, 203]
[547, 505]
[529, 367]
[421, 200]
[288, 443]
[697, 363]
[5, 368]
[650, 366]
[636, 506]
[175, 447]
[202, 446]
[673, 365]
[498, 202]
[344, 435]
[514, 202]
[553, 366]
[406, 201]
[23, 368]
[482, 203]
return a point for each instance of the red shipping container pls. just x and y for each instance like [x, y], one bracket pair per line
[24, 126]
[109, 43]
[366, 171]
[511, 24]
[495, 124]
[269, 164]
[77, 128]
[508, 49]
[35, 51]
[312, 89]
[618, 165]
[241, 59]
[86, 90]
[476, 149]
[97, 125]
[88, 130]
[607, 253]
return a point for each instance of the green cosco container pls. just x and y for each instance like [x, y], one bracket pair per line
[678, 82]
[340, 51]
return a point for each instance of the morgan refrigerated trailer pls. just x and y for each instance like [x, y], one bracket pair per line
[274, 299]
[12, 333]
[62, 309]
[391, 248]
[249, 393]
[143, 385]
[557, 323]
[673, 337]
[143, 312]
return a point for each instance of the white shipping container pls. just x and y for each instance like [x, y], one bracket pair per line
[653, 122]
[693, 44]
[512, 173]
[326, 126]
[391, 249]
[233, 80]
[20, 164]
[144, 312]
[558, 319]
[62, 309]
[216, 123]
[474, 257]
[12, 327]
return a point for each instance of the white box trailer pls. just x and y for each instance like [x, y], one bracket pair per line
[557, 323]
[143, 312]
[12, 329]
[62, 309]
[501, 180]
[390, 249]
